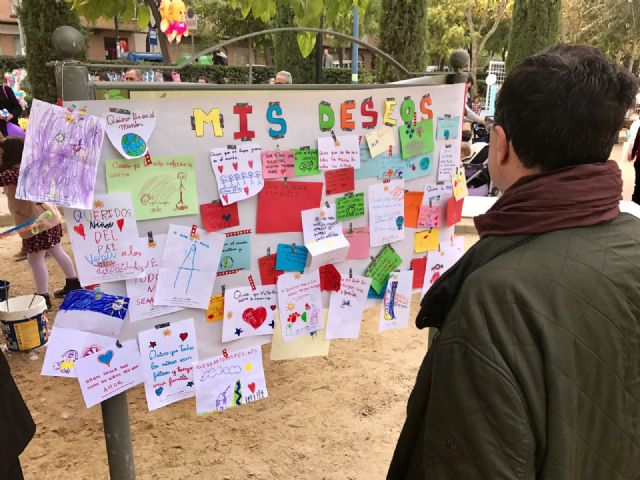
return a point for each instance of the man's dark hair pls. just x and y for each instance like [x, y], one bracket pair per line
[564, 106]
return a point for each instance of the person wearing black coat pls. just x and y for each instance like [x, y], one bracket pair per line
[9, 102]
[17, 426]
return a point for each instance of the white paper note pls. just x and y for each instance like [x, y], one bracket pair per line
[249, 312]
[130, 131]
[346, 307]
[343, 152]
[300, 303]
[438, 262]
[238, 171]
[386, 212]
[323, 237]
[394, 311]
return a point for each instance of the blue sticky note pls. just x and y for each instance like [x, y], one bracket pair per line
[236, 253]
[447, 127]
[395, 167]
[290, 260]
[377, 296]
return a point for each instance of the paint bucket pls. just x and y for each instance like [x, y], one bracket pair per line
[24, 322]
[4, 290]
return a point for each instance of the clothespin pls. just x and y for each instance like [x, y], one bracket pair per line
[268, 251]
[231, 147]
[118, 344]
[152, 243]
[415, 118]
[386, 180]
[252, 284]
[222, 289]
[225, 354]
[326, 204]
[350, 227]
[390, 150]
[98, 293]
[147, 159]
[293, 248]
[194, 232]
[351, 273]
[335, 139]
[284, 182]
[162, 325]
[215, 201]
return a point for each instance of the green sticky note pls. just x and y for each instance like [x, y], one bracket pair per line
[306, 162]
[416, 139]
[165, 187]
[379, 269]
[350, 206]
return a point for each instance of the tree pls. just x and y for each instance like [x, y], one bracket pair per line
[404, 37]
[286, 54]
[39, 18]
[535, 27]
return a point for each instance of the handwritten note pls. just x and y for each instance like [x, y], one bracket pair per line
[418, 265]
[416, 139]
[105, 240]
[448, 127]
[395, 166]
[380, 140]
[130, 131]
[339, 181]
[215, 310]
[437, 195]
[381, 266]
[323, 236]
[344, 152]
[396, 304]
[438, 262]
[229, 381]
[280, 204]
[238, 171]
[350, 206]
[346, 307]
[168, 352]
[216, 216]
[429, 216]
[448, 162]
[291, 258]
[358, 238]
[427, 240]
[278, 163]
[300, 303]
[164, 188]
[386, 212]
[268, 272]
[306, 162]
[236, 253]
[459, 182]
[248, 312]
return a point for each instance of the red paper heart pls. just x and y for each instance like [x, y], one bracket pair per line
[79, 229]
[273, 308]
[235, 166]
[220, 168]
[255, 316]
[250, 163]
[252, 387]
[246, 190]
[183, 336]
[120, 223]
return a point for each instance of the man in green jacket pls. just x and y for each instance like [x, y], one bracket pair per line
[534, 372]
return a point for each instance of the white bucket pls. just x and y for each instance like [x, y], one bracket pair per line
[24, 322]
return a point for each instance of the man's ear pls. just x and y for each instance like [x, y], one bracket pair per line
[502, 144]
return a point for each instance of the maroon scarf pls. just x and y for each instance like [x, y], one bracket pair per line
[576, 196]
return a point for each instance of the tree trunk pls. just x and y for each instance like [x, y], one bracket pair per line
[162, 38]
[341, 56]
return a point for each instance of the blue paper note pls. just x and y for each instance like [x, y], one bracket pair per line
[396, 167]
[447, 127]
[236, 253]
[290, 260]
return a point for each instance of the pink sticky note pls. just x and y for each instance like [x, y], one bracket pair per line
[359, 242]
[277, 163]
[429, 217]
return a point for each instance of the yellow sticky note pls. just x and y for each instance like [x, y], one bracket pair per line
[389, 103]
[427, 240]
[459, 182]
[300, 347]
[215, 310]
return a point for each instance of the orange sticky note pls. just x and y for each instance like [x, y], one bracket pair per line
[412, 201]
[427, 240]
[215, 310]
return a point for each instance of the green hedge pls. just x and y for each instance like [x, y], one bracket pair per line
[9, 63]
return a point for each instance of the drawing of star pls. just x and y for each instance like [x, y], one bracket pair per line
[272, 324]
[290, 306]
[69, 118]
[167, 333]
[189, 384]
[152, 344]
[238, 331]
[229, 314]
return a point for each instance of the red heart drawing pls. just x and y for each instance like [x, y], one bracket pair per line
[120, 223]
[250, 163]
[255, 316]
[220, 168]
[210, 316]
[225, 198]
[235, 166]
[79, 229]
[246, 190]
[183, 336]
[273, 308]
[283, 171]
[252, 387]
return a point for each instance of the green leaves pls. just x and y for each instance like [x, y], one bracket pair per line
[306, 42]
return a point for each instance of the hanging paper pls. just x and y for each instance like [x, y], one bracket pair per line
[168, 352]
[454, 211]
[313, 344]
[386, 212]
[300, 303]
[339, 181]
[429, 216]
[346, 307]
[339, 152]
[438, 262]
[248, 312]
[459, 182]
[412, 201]
[280, 204]
[238, 172]
[306, 162]
[323, 236]
[382, 265]
[418, 266]
[358, 238]
[60, 157]
[216, 216]
[416, 139]
[291, 258]
[130, 131]
[229, 381]
[448, 162]
[380, 140]
[448, 127]
[329, 278]
[236, 253]
[95, 312]
[105, 240]
[350, 206]
[396, 304]
[142, 290]
[215, 310]
[278, 163]
[395, 166]
[189, 265]
[427, 240]
[66, 346]
[109, 372]
[268, 273]
[437, 195]
[164, 188]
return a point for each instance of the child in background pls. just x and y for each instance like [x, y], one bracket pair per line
[50, 229]
[475, 105]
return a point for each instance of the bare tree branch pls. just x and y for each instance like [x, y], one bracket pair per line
[500, 13]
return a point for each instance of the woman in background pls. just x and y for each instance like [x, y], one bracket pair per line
[9, 102]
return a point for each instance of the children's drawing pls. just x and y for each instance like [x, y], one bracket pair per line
[130, 131]
[448, 127]
[110, 372]
[141, 290]
[189, 264]
[95, 312]
[312, 344]
[105, 240]
[168, 352]
[229, 381]
[166, 187]
[436, 195]
[300, 303]
[459, 182]
[439, 261]
[346, 307]
[382, 265]
[236, 252]
[380, 140]
[339, 152]
[323, 236]
[416, 139]
[60, 157]
[249, 312]
[386, 212]
[238, 172]
[66, 346]
[394, 311]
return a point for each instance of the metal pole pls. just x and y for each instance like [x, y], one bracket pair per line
[319, 50]
[73, 85]
[116, 24]
[354, 46]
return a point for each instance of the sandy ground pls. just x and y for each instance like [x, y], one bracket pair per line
[326, 418]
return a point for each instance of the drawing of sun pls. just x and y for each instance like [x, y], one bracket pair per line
[229, 314]
[167, 333]
[69, 118]
[322, 214]
[248, 367]
[98, 204]
[290, 306]
[297, 276]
